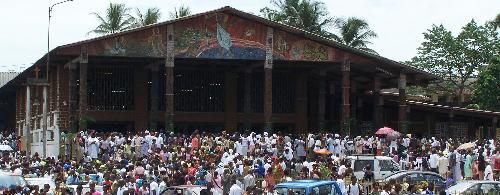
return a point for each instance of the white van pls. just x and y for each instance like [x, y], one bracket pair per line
[382, 166]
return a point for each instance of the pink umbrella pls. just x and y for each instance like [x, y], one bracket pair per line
[393, 135]
[384, 131]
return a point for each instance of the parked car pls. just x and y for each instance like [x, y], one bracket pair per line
[416, 177]
[474, 187]
[183, 190]
[307, 187]
[9, 181]
[382, 166]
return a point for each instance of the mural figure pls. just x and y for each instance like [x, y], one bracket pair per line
[119, 47]
[223, 37]
[157, 44]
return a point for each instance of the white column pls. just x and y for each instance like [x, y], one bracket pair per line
[27, 131]
[44, 121]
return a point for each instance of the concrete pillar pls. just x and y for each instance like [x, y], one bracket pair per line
[301, 124]
[403, 123]
[268, 82]
[72, 96]
[27, 129]
[247, 100]
[44, 121]
[346, 92]
[154, 98]
[83, 106]
[377, 106]
[322, 101]
[231, 111]
[169, 85]
[354, 107]
[140, 102]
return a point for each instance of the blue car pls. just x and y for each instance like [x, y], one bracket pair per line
[308, 187]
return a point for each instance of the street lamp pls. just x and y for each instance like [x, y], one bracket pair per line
[44, 112]
[48, 35]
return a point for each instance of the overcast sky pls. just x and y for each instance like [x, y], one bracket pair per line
[398, 23]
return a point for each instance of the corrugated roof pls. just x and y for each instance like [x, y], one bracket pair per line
[5, 77]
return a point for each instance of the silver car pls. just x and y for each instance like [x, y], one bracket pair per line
[474, 187]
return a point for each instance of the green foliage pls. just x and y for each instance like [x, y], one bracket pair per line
[151, 16]
[116, 19]
[180, 12]
[457, 59]
[487, 87]
[309, 15]
[354, 32]
[496, 21]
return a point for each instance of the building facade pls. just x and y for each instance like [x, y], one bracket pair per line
[220, 70]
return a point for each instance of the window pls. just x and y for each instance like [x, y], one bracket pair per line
[324, 189]
[433, 178]
[359, 165]
[110, 87]
[386, 165]
[289, 191]
[413, 178]
[488, 188]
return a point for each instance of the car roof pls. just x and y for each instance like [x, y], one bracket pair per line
[304, 183]
[187, 186]
[368, 157]
[400, 173]
[480, 181]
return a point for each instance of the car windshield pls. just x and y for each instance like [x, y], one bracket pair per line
[11, 181]
[289, 191]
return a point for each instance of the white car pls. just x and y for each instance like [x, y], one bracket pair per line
[474, 187]
[382, 166]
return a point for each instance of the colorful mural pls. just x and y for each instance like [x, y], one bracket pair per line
[213, 36]
[146, 43]
[296, 48]
[221, 36]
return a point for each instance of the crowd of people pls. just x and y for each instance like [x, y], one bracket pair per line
[147, 162]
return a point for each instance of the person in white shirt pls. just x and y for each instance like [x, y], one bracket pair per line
[434, 161]
[353, 189]
[153, 187]
[235, 189]
[121, 187]
[163, 185]
[488, 171]
[248, 181]
[337, 145]
[443, 165]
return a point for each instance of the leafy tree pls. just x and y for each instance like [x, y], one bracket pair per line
[457, 59]
[180, 12]
[354, 32]
[151, 16]
[116, 19]
[487, 87]
[309, 15]
[496, 21]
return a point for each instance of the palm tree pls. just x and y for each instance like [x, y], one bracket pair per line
[181, 12]
[151, 16]
[117, 19]
[354, 32]
[309, 15]
[496, 21]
